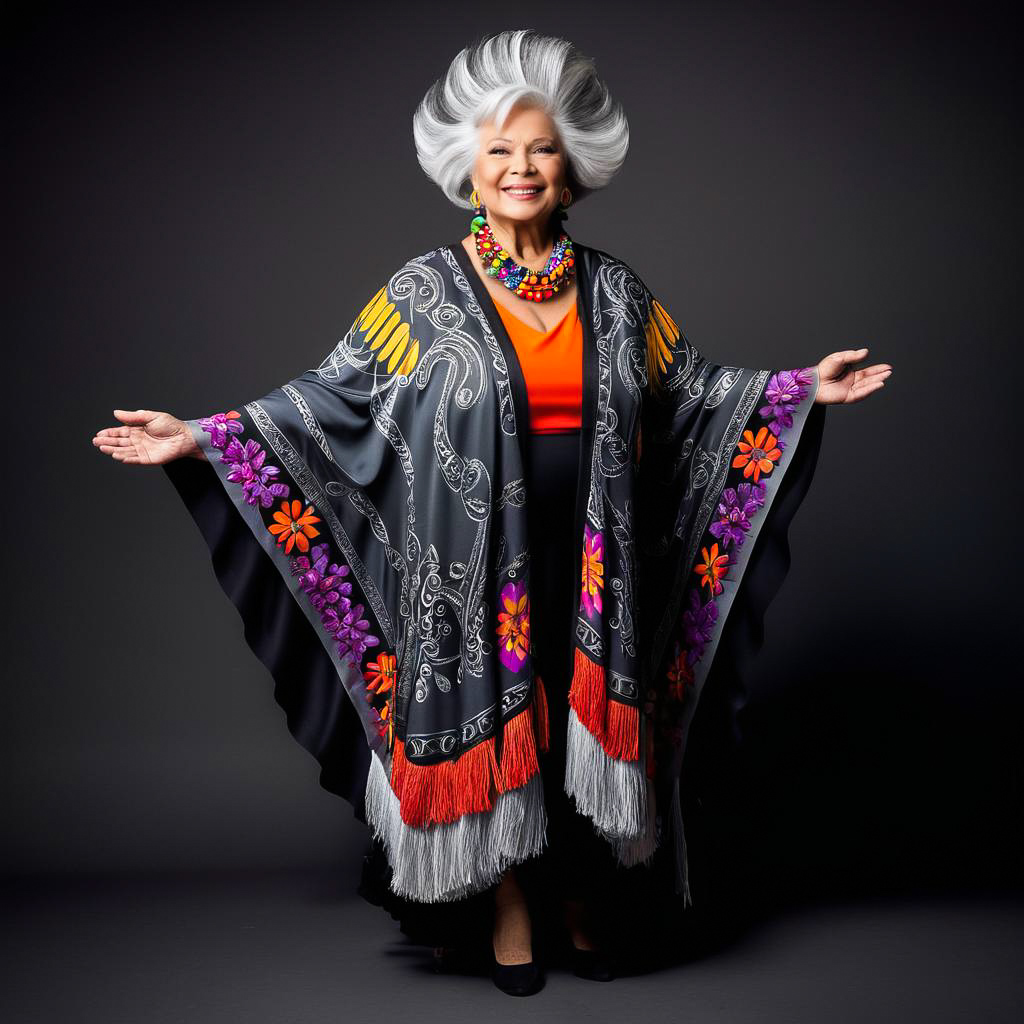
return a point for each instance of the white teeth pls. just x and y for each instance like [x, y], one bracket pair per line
[522, 191]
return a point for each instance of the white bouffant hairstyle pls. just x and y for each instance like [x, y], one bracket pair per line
[487, 79]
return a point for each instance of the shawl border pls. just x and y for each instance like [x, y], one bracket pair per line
[300, 472]
[349, 674]
[701, 668]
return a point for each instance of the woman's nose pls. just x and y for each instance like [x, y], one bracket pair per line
[521, 163]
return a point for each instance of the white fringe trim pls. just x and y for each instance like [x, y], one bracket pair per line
[613, 793]
[630, 852]
[440, 863]
[679, 845]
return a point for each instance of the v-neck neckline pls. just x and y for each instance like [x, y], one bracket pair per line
[544, 333]
[490, 307]
[459, 250]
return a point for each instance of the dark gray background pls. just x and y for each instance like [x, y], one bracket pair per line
[200, 201]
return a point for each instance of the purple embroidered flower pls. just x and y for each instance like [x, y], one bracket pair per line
[698, 625]
[220, 426]
[248, 469]
[757, 493]
[736, 507]
[784, 391]
[349, 629]
[804, 378]
[325, 584]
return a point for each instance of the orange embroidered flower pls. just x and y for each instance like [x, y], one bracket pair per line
[387, 725]
[757, 454]
[514, 625]
[712, 569]
[294, 527]
[593, 571]
[680, 675]
[380, 674]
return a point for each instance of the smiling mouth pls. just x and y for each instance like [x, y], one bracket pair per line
[523, 190]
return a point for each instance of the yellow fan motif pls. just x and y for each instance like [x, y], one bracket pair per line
[662, 335]
[387, 334]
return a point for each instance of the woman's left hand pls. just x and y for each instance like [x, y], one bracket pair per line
[840, 384]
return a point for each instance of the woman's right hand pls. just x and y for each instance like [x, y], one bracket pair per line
[148, 438]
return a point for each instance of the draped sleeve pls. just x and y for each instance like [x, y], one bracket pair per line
[288, 501]
[726, 456]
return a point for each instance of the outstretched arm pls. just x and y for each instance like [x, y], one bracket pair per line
[147, 438]
[843, 385]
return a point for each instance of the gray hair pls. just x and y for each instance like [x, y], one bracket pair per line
[487, 79]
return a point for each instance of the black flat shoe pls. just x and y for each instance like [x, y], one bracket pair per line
[517, 979]
[592, 964]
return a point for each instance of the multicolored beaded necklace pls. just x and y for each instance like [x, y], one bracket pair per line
[535, 285]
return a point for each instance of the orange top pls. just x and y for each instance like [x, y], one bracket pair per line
[552, 365]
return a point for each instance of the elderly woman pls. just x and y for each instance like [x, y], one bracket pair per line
[488, 546]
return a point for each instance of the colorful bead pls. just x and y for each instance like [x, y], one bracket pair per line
[528, 284]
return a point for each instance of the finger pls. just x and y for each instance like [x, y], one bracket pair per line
[860, 392]
[836, 361]
[113, 432]
[113, 441]
[872, 373]
[138, 416]
[128, 456]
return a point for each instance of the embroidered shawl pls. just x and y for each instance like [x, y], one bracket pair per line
[368, 519]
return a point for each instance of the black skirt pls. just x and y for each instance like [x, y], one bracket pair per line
[575, 860]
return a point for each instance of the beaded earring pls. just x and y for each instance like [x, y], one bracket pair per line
[478, 220]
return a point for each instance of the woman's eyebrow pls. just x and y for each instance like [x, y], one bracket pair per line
[540, 138]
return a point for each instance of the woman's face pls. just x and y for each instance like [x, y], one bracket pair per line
[520, 170]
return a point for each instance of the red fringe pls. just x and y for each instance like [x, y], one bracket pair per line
[518, 751]
[615, 725]
[622, 732]
[442, 793]
[587, 695]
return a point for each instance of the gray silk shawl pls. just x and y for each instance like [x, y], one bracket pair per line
[383, 493]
